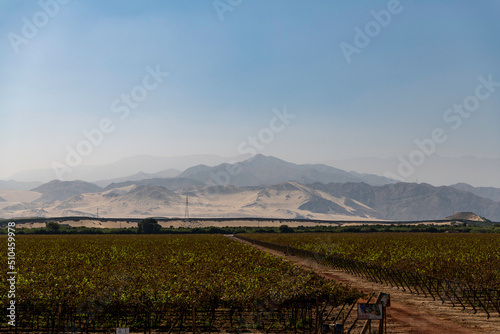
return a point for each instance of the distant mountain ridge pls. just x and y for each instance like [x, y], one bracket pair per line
[486, 192]
[167, 173]
[60, 190]
[469, 170]
[122, 168]
[437, 170]
[267, 170]
[333, 201]
[411, 201]
[16, 185]
[262, 186]
[174, 184]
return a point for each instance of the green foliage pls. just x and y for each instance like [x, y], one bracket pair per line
[53, 227]
[332, 228]
[159, 271]
[148, 226]
[286, 229]
[472, 258]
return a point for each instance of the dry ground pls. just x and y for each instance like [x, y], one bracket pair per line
[409, 313]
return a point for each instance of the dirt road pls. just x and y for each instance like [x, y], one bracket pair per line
[409, 313]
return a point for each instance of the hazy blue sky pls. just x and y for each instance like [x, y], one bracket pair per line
[230, 67]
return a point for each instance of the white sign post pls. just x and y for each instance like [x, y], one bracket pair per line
[122, 330]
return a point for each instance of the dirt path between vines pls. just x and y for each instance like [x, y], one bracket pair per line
[409, 313]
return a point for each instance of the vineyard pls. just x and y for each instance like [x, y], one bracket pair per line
[90, 283]
[460, 269]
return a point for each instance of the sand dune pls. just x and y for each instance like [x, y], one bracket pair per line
[13, 197]
[290, 200]
[281, 201]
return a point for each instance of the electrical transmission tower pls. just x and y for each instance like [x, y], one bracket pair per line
[186, 213]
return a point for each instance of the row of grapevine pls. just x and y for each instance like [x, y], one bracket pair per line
[395, 259]
[156, 281]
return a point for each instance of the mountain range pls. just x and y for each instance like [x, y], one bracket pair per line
[122, 168]
[436, 170]
[486, 192]
[267, 170]
[262, 186]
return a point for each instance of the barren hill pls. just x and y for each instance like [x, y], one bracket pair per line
[411, 201]
[263, 186]
[467, 216]
[178, 183]
[267, 170]
[486, 192]
[60, 190]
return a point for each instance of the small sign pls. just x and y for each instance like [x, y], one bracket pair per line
[122, 330]
[369, 311]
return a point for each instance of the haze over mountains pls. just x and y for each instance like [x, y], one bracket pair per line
[436, 170]
[261, 170]
[262, 186]
[122, 168]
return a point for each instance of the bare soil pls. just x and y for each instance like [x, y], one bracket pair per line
[408, 313]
